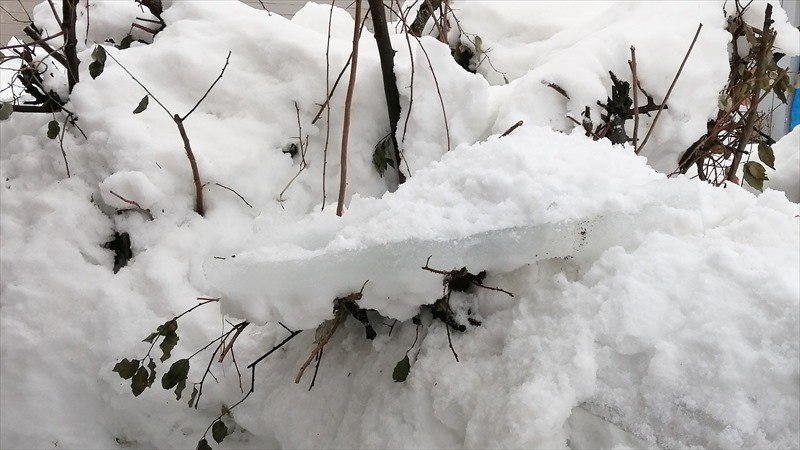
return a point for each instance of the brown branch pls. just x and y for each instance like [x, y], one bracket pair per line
[130, 202]
[38, 39]
[338, 319]
[438, 92]
[635, 87]
[558, 89]
[423, 15]
[347, 107]
[42, 42]
[327, 109]
[140, 85]
[198, 187]
[326, 103]
[229, 346]
[53, 9]
[316, 369]
[511, 129]
[496, 289]
[274, 349]
[48, 107]
[450, 339]
[61, 143]
[237, 194]
[70, 41]
[303, 149]
[152, 31]
[669, 91]
[767, 37]
[386, 54]
[219, 77]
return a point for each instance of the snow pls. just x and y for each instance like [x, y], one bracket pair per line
[648, 311]
[786, 176]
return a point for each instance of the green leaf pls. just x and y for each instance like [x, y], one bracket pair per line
[383, 156]
[6, 110]
[126, 369]
[193, 397]
[152, 378]
[142, 106]
[53, 129]
[95, 69]
[149, 339]
[766, 155]
[755, 175]
[139, 381]
[166, 346]
[126, 42]
[401, 370]
[167, 327]
[99, 54]
[179, 388]
[219, 430]
[203, 445]
[782, 86]
[178, 371]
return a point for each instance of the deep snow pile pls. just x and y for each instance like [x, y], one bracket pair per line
[647, 311]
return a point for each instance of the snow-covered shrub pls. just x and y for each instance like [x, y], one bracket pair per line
[648, 311]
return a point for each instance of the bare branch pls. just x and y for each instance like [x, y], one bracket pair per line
[669, 91]
[347, 107]
[219, 77]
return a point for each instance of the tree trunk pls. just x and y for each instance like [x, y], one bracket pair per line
[69, 17]
[386, 53]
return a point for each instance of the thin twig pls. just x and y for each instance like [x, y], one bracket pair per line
[326, 103]
[86, 36]
[450, 339]
[511, 129]
[38, 40]
[438, 92]
[42, 42]
[130, 202]
[496, 289]
[316, 368]
[303, 149]
[338, 320]
[635, 87]
[61, 144]
[274, 349]
[558, 89]
[237, 194]
[669, 91]
[327, 109]
[140, 84]
[347, 107]
[219, 77]
[229, 346]
[199, 206]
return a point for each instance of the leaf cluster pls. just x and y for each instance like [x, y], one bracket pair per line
[143, 375]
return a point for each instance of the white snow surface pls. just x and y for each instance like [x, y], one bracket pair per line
[648, 311]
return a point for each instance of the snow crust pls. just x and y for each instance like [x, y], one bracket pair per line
[648, 311]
